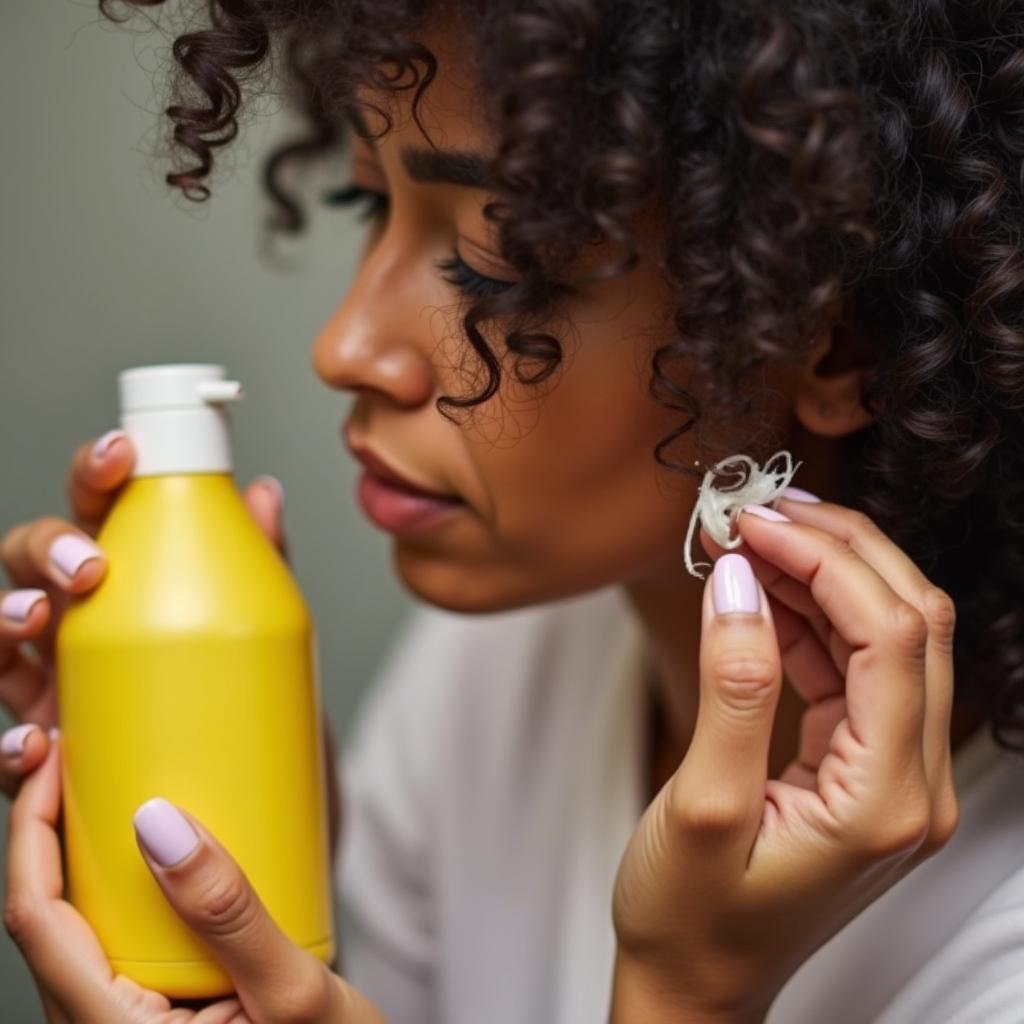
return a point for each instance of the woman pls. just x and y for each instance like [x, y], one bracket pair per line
[602, 232]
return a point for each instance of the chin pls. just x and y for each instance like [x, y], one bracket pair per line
[482, 588]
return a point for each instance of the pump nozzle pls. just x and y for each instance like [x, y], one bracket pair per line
[220, 390]
[175, 416]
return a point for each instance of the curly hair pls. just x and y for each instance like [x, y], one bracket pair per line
[803, 151]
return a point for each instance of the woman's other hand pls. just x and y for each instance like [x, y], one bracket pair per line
[275, 981]
[731, 879]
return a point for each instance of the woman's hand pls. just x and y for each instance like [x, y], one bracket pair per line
[275, 980]
[732, 879]
[27, 684]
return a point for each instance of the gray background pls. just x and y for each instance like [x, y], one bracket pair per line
[103, 266]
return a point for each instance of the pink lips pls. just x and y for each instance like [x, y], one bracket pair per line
[393, 508]
[394, 502]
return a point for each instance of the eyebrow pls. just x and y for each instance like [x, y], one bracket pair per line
[447, 167]
[434, 166]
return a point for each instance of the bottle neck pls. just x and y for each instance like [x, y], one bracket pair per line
[181, 440]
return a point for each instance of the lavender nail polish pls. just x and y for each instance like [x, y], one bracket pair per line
[275, 485]
[733, 586]
[164, 831]
[797, 494]
[69, 553]
[102, 446]
[764, 512]
[18, 604]
[12, 743]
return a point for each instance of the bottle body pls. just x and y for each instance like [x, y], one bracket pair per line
[191, 673]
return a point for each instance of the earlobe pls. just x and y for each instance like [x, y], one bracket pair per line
[832, 408]
[827, 400]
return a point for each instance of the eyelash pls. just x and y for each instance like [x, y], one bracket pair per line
[453, 268]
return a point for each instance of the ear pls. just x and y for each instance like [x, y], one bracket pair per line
[827, 397]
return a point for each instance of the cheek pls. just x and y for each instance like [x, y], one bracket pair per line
[582, 487]
[576, 498]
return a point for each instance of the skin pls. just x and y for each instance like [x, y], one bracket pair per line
[562, 495]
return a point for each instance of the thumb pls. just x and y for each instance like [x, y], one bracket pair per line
[265, 498]
[275, 979]
[723, 778]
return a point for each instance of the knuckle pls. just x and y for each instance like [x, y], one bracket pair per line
[945, 821]
[840, 546]
[21, 918]
[900, 838]
[861, 524]
[908, 626]
[11, 541]
[746, 680]
[305, 1001]
[940, 613]
[224, 905]
[707, 815]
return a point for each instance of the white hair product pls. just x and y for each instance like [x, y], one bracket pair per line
[717, 506]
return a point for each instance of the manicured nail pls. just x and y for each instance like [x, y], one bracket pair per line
[16, 606]
[733, 587]
[798, 495]
[102, 446]
[12, 743]
[69, 553]
[763, 512]
[166, 835]
[275, 486]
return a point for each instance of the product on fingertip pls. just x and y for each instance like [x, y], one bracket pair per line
[718, 506]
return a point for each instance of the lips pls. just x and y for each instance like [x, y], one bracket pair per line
[376, 465]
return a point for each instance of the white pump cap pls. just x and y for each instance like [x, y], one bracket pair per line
[175, 416]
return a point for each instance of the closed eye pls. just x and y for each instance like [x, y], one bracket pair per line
[453, 268]
[375, 203]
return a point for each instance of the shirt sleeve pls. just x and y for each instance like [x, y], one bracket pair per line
[383, 872]
[977, 977]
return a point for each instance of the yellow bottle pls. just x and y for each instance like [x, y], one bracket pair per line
[191, 673]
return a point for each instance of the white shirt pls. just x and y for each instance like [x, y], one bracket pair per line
[495, 773]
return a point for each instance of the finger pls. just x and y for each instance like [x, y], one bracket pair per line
[273, 977]
[51, 554]
[265, 498]
[24, 614]
[807, 665]
[906, 579]
[98, 470]
[49, 551]
[814, 661]
[885, 686]
[22, 749]
[719, 787]
[790, 592]
[62, 951]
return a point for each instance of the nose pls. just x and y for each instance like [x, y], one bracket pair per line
[372, 342]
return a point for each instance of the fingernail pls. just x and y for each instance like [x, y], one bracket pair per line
[166, 835]
[763, 512]
[54, 733]
[733, 587]
[16, 606]
[69, 553]
[798, 495]
[12, 743]
[102, 446]
[275, 486]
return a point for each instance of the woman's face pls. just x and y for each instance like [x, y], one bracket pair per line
[562, 492]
